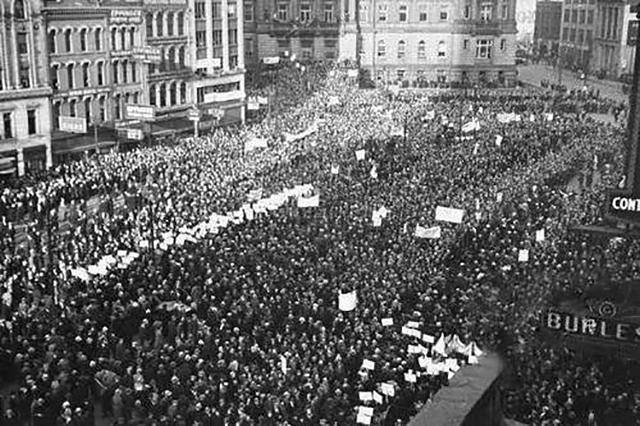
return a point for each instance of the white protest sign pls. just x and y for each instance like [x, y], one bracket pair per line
[386, 322]
[523, 255]
[360, 154]
[347, 301]
[447, 214]
[368, 364]
[540, 235]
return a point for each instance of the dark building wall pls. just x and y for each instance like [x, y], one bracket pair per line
[548, 20]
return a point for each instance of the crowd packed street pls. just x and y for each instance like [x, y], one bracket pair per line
[202, 281]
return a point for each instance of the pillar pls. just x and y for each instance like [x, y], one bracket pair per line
[225, 35]
[48, 155]
[20, 161]
[240, 18]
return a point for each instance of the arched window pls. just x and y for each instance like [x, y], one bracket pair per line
[53, 77]
[85, 74]
[114, 77]
[97, 35]
[402, 49]
[163, 95]
[149, 21]
[67, 40]
[18, 9]
[55, 112]
[114, 39]
[52, 41]
[172, 94]
[183, 93]
[152, 94]
[159, 24]
[382, 48]
[73, 109]
[87, 110]
[100, 73]
[132, 37]
[70, 76]
[163, 60]
[83, 40]
[116, 107]
[170, 24]
[134, 73]
[181, 62]
[422, 50]
[103, 109]
[180, 22]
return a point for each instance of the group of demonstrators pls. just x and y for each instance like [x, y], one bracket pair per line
[335, 263]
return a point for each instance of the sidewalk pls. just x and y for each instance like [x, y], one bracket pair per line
[534, 74]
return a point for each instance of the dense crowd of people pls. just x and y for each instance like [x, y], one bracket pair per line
[242, 325]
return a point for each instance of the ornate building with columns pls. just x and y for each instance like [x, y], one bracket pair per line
[25, 143]
[218, 60]
[305, 28]
[450, 40]
[167, 30]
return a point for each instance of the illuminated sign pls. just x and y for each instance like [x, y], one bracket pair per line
[592, 327]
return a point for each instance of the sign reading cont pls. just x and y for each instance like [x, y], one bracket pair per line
[587, 326]
[72, 124]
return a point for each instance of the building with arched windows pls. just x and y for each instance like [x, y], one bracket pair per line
[407, 41]
[25, 143]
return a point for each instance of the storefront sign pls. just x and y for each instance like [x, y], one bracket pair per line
[140, 112]
[632, 33]
[135, 134]
[592, 327]
[125, 16]
[271, 60]
[147, 54]
[72, 124]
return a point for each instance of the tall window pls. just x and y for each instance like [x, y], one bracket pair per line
[134, 75]
[103, 109]
[248, 11]
[8, 125]
[171, 54]
[152, 94]
[117, 111]
[180, 19]
[282, 11]
[70, 76]
[148, 19]
[328, 11]
[183, 93]
[163, 95]
[199, 10]
[21, 39]
[233, 36]
[163, 60]
[305, 12]
[181, 61]
[132, 37]
[123, 38]
[73, 108]
[486, 10]
[444, 13]
[402, 48]
[402, 16]
[83, 40]
[100, 73]
[201, 44]
[67, 40]
[55, 112]
[172, 94]
[18, 11]
[114, 39]
[170, 23]
[505, 11]
[423, 13]
[87, 110]
[85, 74]
[159, 28]
[23, 76]
[53, 77]
[51, 38]
[503, 44]
[467, 11]
[382, 12]
[114, 77]
[483, 48]
[382, 48]
[442, 49]
[125, 66]
[97, 35]
[422, 50]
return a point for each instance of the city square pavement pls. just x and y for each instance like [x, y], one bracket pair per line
[535, 74]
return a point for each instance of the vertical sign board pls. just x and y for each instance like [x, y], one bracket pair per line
[632, 33]
[623, 204]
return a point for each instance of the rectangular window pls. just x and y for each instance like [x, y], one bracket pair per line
[583, 17]
[444, 14]
[401, 73]
[305, 12]
[442, 49]
[328, 12]
[382, 12]
[505, 11]
[217, 37]
[103, 112]
[465, 44]
[200, 95]
[402, 48]
[233, 36]
[574, 16]
[98, 38]
[423, 13]
[216, 10]
[8, 125]
[283, 9]
[486, 10]
[248, 11]
[31, 121]
[565, 34]
[115, 73]
[483, 48]
[503, 44]
[567, 15]
[467, 11]
[134, 75]
[590, 17]
[100, 70]
[199, 10]
[422, 50]
[402, 15]
[201, 38]
[22, 42]
[382, 49]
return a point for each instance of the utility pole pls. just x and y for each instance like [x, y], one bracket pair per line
[374, 52]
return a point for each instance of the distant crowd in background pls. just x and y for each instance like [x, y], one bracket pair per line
[200, 282]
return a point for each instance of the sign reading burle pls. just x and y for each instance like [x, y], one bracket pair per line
[587, 326]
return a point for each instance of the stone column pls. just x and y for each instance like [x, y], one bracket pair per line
[49, 156]
[20, 161]
[225, 35]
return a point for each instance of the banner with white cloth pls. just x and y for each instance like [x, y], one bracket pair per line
[432, 233]
[288, 137]
[254, 143]
[447, 214]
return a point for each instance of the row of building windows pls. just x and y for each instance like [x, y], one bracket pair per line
[171, 58]
[8, 122]
[609, 22]
[200, 9]
[163, 24]
[577, 36]
[201, 41]
[580, 17]
[85, 108]
[164, 95]
[485, 12]
[122, 38]
[483, 48]
[576, 2]
[306, 12]
[121, 72]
